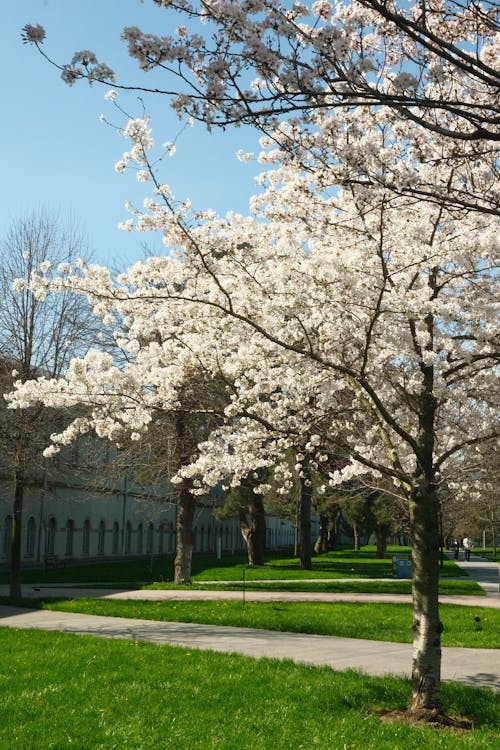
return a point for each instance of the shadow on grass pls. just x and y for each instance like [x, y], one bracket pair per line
[340, 563]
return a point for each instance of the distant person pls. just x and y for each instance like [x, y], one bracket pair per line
[456, 548]
[468, 545]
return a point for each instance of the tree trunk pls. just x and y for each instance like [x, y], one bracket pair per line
[424, 526]
[381, 532]
[185, 512]
[427, 628]
[15, 547]
[332, 532]
[356, 536]
[184, 553]
[321, 544]
[253, 531]
[305, 522]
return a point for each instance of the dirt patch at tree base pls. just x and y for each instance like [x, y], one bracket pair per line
[426, 716]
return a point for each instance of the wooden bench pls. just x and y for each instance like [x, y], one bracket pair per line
[52, 561]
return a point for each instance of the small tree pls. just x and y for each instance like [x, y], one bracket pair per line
[35, 339]
[247, 506]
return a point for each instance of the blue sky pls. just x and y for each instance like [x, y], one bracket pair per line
[59, 156]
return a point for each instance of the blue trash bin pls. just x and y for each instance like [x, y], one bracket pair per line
[404, 569]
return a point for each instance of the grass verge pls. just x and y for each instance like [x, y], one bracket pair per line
[473, 627]
[341, 563]
[61, 691]
[446, 586]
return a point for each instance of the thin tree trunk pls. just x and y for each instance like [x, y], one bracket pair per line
[184, 553]
[253, 531]
[332, 532]
[305, 522]
[381, 532]
[356, 536]
[321, 544]
[15, 547]
[185, 514]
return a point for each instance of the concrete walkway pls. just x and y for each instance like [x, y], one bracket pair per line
[478, 667]
[485, 573]
[68, 592]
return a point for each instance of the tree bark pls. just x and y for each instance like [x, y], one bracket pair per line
[185, 512]
[184, 552]
[425, 532]
[356, 536]
[332, 533]
[427, 627]
[381, 532]
[253, 531]
[15, 547]
[305, 522]
[321, 544]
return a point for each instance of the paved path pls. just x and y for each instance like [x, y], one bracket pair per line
[68, 592]
[486, 574]
[478, 667]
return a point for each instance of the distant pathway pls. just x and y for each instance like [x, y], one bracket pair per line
[485, 573]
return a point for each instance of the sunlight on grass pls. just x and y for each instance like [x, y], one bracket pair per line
[340, 563]
[60, 691]
[374, 621]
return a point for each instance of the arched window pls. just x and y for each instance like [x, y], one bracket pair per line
[140, 531]
[149, 539]
[70, 535]
[51, 536]
[171, 537]
[128, 538]
[101, 538]
[7, 536]
[30, 537]
[116, 537]
[86, 538]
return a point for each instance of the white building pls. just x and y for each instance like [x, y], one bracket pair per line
[65, 516]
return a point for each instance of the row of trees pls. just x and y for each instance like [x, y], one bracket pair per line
[350, 318]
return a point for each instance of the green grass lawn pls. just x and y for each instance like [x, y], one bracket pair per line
[341, 563]
[63, 692]
[489, 553]
[374, 621]
[461, 587]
